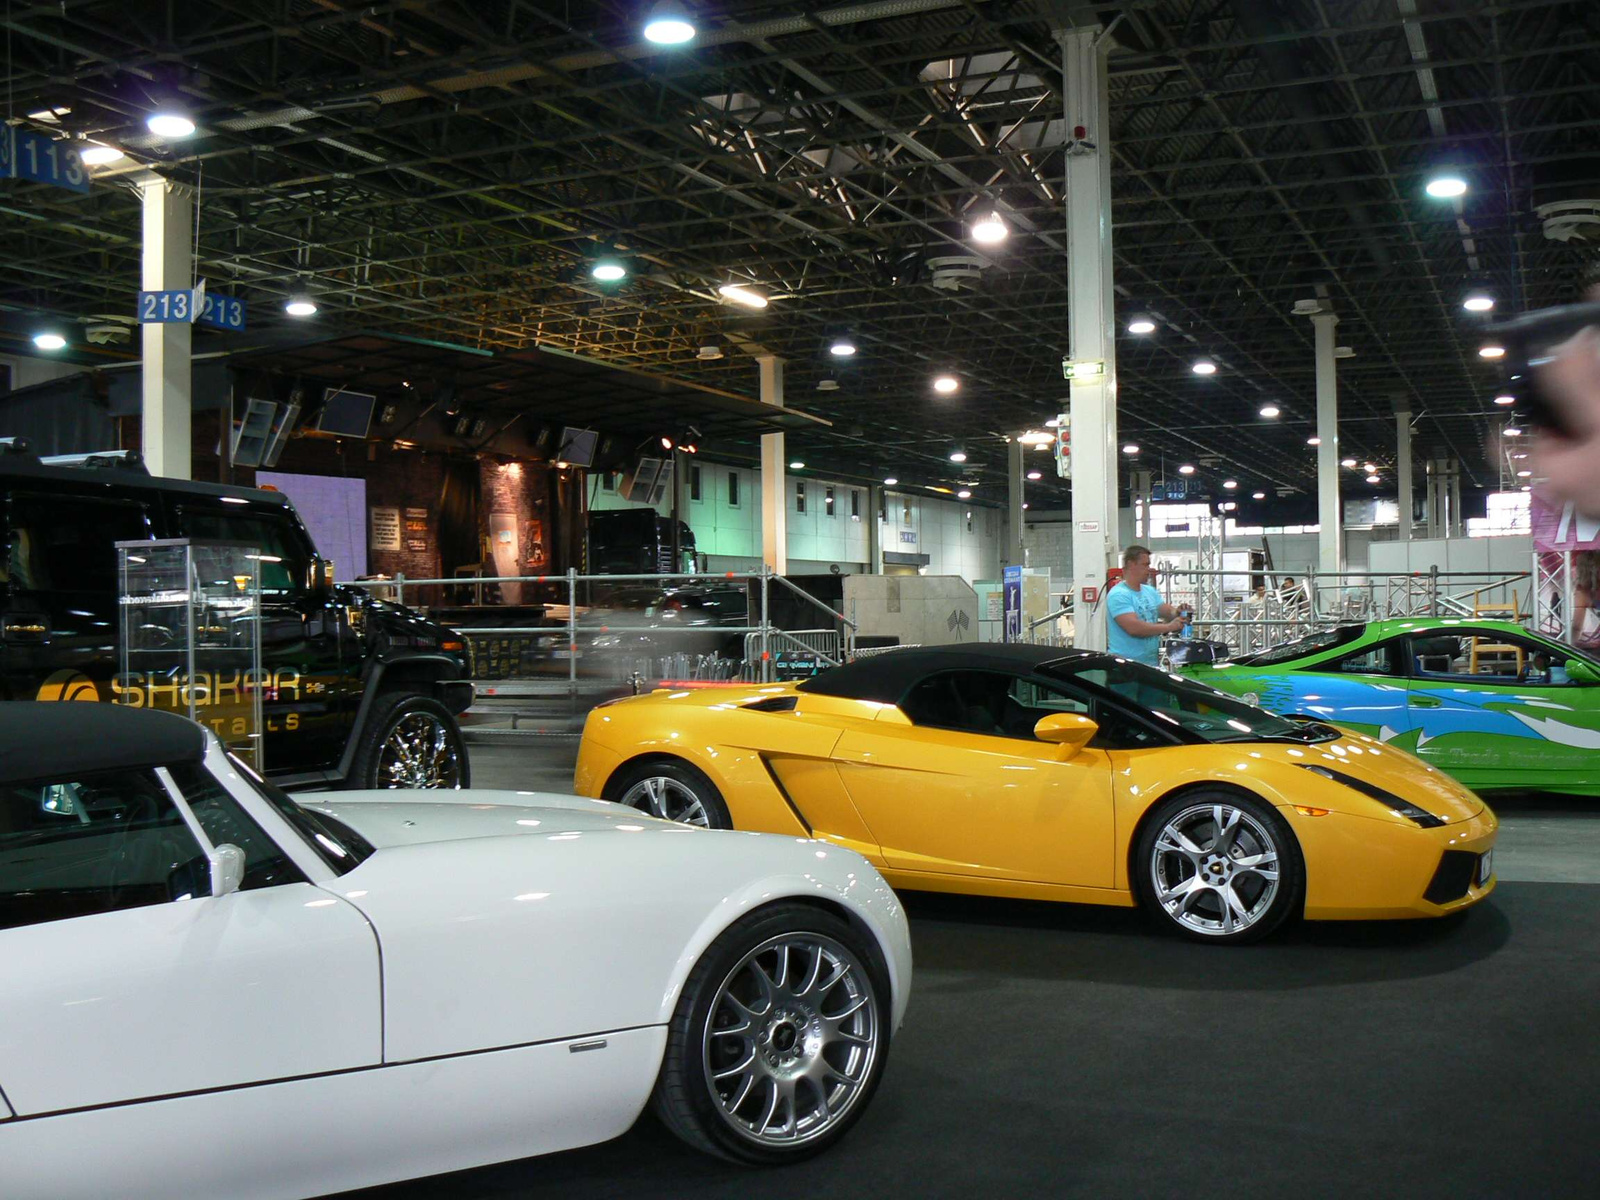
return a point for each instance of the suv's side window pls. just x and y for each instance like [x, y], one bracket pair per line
[66, 544]
[92, 844]
[219, 814]
[285, 566]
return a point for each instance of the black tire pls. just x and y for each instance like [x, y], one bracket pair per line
[790, 1036]
[1185, 882]
[401, 718]
[671, 789]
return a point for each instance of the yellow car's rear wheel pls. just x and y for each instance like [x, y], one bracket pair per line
[1219, 866]
[672, 790]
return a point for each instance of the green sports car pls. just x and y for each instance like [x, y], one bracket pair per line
[1488, 702]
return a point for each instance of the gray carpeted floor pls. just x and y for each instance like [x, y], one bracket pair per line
[1055, 1050]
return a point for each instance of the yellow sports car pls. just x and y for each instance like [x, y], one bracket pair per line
[1060, 775]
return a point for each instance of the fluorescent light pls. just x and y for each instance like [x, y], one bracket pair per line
[1230, 484]
[49, 341]
[1186, 469]
[990, 230]
[1446, 187]
[946, 384]
[740, 294]
[842, 347]
[1131, 448]
[1505, 400]
[1313, 440]
[1347, 462]
[964, 494]
[797, 465]
[1141, 324]
[94, 155]
[668, 24]
[300, 306]
[1035, 476]
[1204, 366]
[958, 457]
[169, 125]
[1270, 411]
[1478, 302]
[608, 270]
[890, 481]
[1492, 350]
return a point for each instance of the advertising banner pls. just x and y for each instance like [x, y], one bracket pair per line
[1012, 581]
[1558, 526]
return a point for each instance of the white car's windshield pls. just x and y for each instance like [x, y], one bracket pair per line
[341, 847]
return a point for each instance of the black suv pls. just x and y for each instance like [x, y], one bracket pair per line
[358, 693]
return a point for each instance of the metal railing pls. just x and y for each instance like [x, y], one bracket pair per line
[761, 636]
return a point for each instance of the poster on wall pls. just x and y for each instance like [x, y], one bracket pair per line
[1013, 603]
[385, 529]
[503, 545]
[416, 520]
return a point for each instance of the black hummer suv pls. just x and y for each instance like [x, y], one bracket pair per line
[356, 692]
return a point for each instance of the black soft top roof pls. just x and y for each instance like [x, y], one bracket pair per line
[67, 739]
[887, 677]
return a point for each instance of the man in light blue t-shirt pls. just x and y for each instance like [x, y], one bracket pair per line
[1135, 613]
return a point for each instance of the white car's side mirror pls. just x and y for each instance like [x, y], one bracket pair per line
[227, 869]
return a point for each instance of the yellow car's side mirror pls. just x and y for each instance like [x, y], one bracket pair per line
[1070, 731]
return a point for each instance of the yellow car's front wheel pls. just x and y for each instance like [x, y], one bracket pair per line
[1219, 866]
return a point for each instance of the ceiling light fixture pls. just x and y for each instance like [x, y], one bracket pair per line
[49, 340]
[96, 155]
[1035, 476]
[797, 465]
[1141, 324]
[1369, 468]
[958, 457]
[1513, 431]
[964, 494]
[1372, 479]
[1347, 462]
[740, 294]
[1204, 366]
[1230, 484]
[299, 304]
[668, 24]
[1492, 350]
[1186, 469]
[946, 384]
[1505, 401]
[1446, 187]
[1131, 448]
[169, 123]
[842, 347]
[608, 269]
[1036, 437]
[989, 230]
[1258, 495]
[890, 481]
[1524, 474]
[1270, 411]
[1053, 423]
[1313, 440]
[1478, 302]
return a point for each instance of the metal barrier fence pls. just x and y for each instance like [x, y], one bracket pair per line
[576, 635]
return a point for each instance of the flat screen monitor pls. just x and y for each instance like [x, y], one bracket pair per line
[345, 413]
[577, 446]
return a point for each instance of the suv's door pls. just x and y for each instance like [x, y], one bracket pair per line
[304, 638]
[125, 979]
[1496, 709]
[954, 782]
[58, 598]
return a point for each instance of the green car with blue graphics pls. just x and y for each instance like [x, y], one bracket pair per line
[1488, 702]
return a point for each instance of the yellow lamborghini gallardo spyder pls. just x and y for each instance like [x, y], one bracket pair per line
[1057, 774]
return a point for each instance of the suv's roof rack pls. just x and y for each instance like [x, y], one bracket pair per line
[102, 460]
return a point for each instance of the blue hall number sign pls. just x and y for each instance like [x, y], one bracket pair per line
[177, 305]
[43, 159]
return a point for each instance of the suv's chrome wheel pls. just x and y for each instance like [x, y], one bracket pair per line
[1214, 869]
[792, 1037]
[419, 752]
[667, 798]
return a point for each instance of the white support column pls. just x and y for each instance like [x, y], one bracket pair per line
[1142, 486]
[874, 530]
[1090, 315]
[1402, 459]
[1435, 513]
[1014, 554]
[774, 481]
[168, 264]
[1330, 518]
[1457, 525]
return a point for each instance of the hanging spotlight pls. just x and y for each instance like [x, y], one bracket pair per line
[890, 481]
[1271, 411]
[1372, 479]
[48, 339]
[964, 494]
[1347, 462]
[668, 24]
[1492, 350]
[1141, 324]
[1258, 495]
[1478, 302]
[946, 384]
[842, 347]
[959, 456]
[1186, 469]
[989, 230]
[608, 269]
[1446, 187]
[169, 123]
[1204, 366]
[1035, 476]
[740, 294]
[1313, 440]
[797, 465]
[1369, 468]
[300, 304]
[666, 442]
[96, 155]
[1131, 448]
[1505, 400]
[1230, 484]
[1512, 431]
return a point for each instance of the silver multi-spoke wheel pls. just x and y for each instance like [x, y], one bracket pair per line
[791, 1039]
[667, 798]
[1214, 869]
[419, 752]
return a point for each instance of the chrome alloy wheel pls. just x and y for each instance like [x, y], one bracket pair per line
[791, 1039]
[1214, 868]
[667, 798]
[419, 753]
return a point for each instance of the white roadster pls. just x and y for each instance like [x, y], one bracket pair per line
[211, 989]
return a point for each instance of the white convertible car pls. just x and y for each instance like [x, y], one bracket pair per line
[210, 989]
